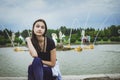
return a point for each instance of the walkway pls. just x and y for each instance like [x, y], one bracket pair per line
[76, 77]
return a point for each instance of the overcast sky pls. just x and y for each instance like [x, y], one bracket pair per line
[20, 14]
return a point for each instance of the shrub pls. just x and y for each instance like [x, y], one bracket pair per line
[115, 38]
[105, 39]
[73, 40]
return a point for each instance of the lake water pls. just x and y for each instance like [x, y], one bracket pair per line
[102, 59]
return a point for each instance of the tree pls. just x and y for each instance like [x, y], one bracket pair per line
[7, 33]
[17, 34]
[63, 29]
[107, 32]
[25, 33]
[114, 30]
[17, 40]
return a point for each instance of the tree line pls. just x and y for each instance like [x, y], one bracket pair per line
[111, 33]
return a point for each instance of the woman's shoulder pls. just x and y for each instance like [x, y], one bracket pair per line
[50, 43]
[49, 39]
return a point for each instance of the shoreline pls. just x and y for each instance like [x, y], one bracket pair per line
[115, 76]
[97, 43]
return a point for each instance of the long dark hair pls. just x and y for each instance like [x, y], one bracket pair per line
[34, 38]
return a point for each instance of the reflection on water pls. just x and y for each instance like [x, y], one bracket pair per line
[101, 59]
[113, 51]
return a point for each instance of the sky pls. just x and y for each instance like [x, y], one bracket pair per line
[18, 15]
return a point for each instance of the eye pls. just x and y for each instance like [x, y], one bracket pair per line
[37, 26]
[43, 27]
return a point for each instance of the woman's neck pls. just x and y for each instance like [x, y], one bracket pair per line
[40, 38]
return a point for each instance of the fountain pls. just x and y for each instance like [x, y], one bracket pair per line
[60, 37]
[60, 45]
[85, 41]
[54, 37]
[82, 36]
[13, 36]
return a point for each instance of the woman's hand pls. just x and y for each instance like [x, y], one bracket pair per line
[28, 38]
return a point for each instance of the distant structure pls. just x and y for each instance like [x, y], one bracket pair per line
[83, 33]
[60, 37]
[13, 37]
[63, 37]
[82, 36]
[20, 37]
[54, 37]
[85, 39]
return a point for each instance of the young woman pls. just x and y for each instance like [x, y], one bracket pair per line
[43, 50]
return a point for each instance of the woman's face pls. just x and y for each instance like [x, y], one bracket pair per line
[39, 28]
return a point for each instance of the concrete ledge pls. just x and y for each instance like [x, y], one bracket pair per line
[76, 77]
[92, 77]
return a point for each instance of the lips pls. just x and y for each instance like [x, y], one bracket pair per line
[39, 32]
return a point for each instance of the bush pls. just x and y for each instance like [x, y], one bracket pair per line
[118, 39]
[73, 40]
[17, 40]
[79, 39]
[105, 39]
[2, 42]
[115, 38]
[58, 40]
[99, 39]
[92, 39]
[112, 38]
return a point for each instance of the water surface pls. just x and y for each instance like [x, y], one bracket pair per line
[102, 59]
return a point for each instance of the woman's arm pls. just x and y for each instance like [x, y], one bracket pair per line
[53, 59]
[31, 48]
[34, 53]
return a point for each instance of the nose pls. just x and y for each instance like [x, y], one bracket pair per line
[39, 28]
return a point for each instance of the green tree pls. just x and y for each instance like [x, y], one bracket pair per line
[18, 40]
[63, 29]
[7, 33]
[17, 34]
[25, 33]
[107, 32]
[114, 30]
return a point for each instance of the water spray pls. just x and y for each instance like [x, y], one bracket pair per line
[8, 35]
[71, 29]
[100, 28]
